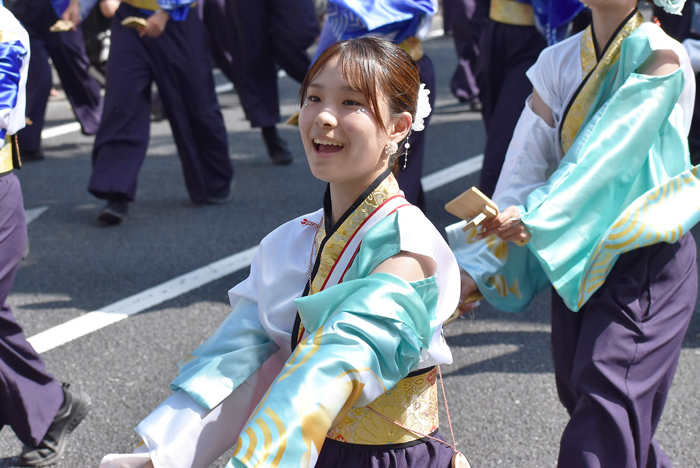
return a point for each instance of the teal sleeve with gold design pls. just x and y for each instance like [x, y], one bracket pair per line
[625, 183]
[229, 356]
[364, 336]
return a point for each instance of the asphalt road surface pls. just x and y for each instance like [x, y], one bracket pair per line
[500, 388]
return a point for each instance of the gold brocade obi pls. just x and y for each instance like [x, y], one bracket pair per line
[414, 47]
[6, 163]
[151, 5]
[413, 403]
[594, 71]
[512, 12]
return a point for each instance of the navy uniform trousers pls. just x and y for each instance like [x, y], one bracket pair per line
[469, 17]
[67, 52]
[250, 39]
[178, 60]
[409, 177]
[507, 52]
[29, 396]
[615, 358]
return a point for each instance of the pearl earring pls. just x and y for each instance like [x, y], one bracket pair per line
[391, 148]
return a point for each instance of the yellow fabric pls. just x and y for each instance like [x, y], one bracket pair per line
[413, 403]
[512, 12]
[414, 47]
[596, 72]
[151, 5]
[8, 36]
[6, 164]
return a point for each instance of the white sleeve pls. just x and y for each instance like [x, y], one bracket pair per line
[530, 159]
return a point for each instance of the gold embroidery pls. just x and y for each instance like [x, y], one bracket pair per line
[8, 36]
[339, 239]
[414, 47]
[512, 12]
[413, 403]
[151, 5]
[6, 164]
[583, 101]
[588, 54]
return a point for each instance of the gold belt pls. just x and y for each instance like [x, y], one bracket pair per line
[413, 46]
[151, 5]
[6, 164]
[512, 12]
[413, 403]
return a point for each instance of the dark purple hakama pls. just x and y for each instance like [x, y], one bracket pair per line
[614, 359]
[423, 453]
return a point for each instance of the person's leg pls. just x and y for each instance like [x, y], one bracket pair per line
[293, 27]
[468, 20]
[186, 85]
[122, 139]
[31, 396]
[629, 343]
[32, 15]
[253, 53]
[518, 48]
[253, 56]
[409, 178]
[67, 51]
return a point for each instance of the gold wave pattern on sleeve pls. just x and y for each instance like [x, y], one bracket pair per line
[655, 217]
[151, 5]
[512, 12]
[596, 75]
[269, 419]
[413, 403]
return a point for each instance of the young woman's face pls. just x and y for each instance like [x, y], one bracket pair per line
[343, 146]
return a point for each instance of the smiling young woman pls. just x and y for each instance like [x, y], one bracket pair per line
[338, 328]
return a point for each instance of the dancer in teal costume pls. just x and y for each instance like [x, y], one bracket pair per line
[598, 180]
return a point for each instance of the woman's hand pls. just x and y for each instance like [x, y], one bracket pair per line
[468, 287]
[155, 24]
[507, 225]
[72, 13]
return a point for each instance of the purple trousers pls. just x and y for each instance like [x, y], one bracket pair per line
[507, 52]
[250, 39]
[67, 52]
[614, 359]
[29, 396]
[423, 453]
[178, 61]
[468, 19]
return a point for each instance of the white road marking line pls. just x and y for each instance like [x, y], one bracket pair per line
[93, 321]
[452, 173]
[59, 130]
[33, 213]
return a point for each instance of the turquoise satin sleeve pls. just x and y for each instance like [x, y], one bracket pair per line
[12, 54]
[231, 354]
[364, 336]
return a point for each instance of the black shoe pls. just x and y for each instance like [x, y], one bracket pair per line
[76, 405]
[220, 198]
[114, 212]
[276, 147]
[30, 156]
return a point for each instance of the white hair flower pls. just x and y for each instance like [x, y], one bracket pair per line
[422, 109]
[671, 6]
